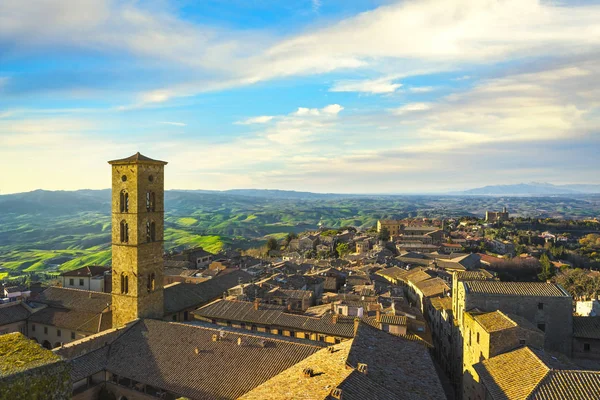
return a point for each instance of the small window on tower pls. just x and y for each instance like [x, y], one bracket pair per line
[124, 178]
[152, 231]
[151, 178]
[151, 282]
[124, 232]
[124, 201]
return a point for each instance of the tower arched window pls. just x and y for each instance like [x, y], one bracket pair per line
[124, 283]
[150, 231]
[124, 232]
[150, 201]
[124, 201]
[151, 282]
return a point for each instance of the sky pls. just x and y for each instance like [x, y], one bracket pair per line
[344, 96]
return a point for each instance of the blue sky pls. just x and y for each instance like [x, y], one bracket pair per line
[327, 96]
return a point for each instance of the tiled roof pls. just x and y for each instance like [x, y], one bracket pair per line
[89, 271]
[402, 366]
[442, 303]
[137, 158]
[540, 289]
[568, 385]
[433, 287]
[75, 299]
[586, 327]
[75, 320]
[516, 374]
[392, 272]
[12, 312]
[268, 314]
[329, 372]
[417, 275]
[185, 360]
[497, 321]
[475, 275]
[182, 296]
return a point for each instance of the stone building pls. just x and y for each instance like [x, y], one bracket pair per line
[493, 216]
[137, 238]
[93, 277]
[546, 305]
[487, 335]
[586, 337]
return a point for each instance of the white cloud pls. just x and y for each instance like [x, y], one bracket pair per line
[410, 107]
[263, 119]
[421, 89]
[332, 109]
[375, 86]
[316, 5]
[173, 123]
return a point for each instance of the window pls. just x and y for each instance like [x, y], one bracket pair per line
[477, 337]
[522, 342]
[151, 282]
[542, 327]
[175, 317]
[81, 282]
[124, 284]
[540, 306]
[58, 333]
[33, 327]
[124, 232]
[72, 282]
[150, 231]
[124, 201]
[73, 335]
[586, 347]
[45, 330]
[150, 199]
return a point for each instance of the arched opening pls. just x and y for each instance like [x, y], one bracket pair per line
[46, 344]
[151, 282]
[124, 283]
[57, 344]
[152, 231]
[150, 201]
[124, 201]
[124, 232]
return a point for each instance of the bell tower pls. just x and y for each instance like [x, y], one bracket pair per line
[137, 238]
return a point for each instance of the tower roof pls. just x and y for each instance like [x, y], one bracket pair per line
[137, 158]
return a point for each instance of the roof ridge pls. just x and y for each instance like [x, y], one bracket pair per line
[275, 338]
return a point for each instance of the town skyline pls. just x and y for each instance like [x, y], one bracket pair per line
[320, 96]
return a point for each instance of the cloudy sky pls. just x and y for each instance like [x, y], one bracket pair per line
[361, 96]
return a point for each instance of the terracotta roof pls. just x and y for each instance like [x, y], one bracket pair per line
[442, 303]
[74, 320]
[269, 314]
[329, 372]
[137, 158]
[586, 327]
[417, 275]
[497, 321]
[433, 287]
[568, 385]
[185, 360]
[12, 312]
[540, 289]
[182, 296]
[89, 271]
[75, 299]
[475, 275]
[392, 272]
[516, 374]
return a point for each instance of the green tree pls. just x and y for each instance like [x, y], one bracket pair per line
[547, 268]
[272, 244]
[290, 236]
[342, 249]
[384, 234]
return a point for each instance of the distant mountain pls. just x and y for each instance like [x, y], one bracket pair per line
[532, 189]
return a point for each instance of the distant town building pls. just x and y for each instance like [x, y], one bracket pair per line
[493, 216]
[93, 277]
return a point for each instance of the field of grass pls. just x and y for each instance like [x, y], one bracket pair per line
[42, 231]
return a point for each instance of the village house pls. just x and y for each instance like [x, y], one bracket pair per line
[93, 277]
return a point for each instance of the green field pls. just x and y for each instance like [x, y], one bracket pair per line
[51, 231]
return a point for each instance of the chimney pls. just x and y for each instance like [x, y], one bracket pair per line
[336, 394]
[197, 351]
[362, 368]
[356, 323]
[224, 295]
[256, 302]
[215, 338]
[289, 306]
[334, 318]
[378, 316]
[239, 341]
[307, 372]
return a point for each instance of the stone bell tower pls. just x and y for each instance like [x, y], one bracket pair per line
[137, 238]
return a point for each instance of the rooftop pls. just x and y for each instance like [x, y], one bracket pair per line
[89, 271]
[586, 327]
[17, 354]
[539, 289]
[137, 158]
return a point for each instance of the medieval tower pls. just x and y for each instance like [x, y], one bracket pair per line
[137, 238]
